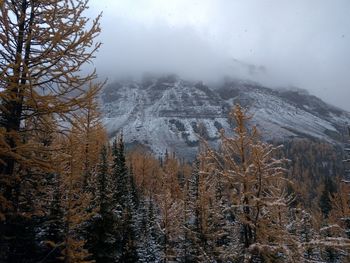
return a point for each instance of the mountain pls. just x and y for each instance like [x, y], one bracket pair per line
[168, 113]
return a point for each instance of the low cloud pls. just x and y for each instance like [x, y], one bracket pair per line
[279, 43]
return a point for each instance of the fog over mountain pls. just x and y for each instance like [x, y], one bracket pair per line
[278, 43]
[172, 113]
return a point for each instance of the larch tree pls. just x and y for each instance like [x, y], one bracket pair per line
[43, 45]
[338, 227]
[170, 225]
[93, 134]
[76, 161]
[75, 201]
[28, 205]
[170, 202]
[88, 137]
[189, 196]
[42, 49]
[146, 171]
[215, 226]
[257, 185]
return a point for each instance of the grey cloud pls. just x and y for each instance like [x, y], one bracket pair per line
[279, 43]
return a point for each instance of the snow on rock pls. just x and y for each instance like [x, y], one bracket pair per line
[172, 114]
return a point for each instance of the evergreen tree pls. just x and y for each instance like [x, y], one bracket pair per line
[53, 225]
[148, 245]
[120, 175]
[329, 188]
[101, 240]
[134, 193]
[22, 246]
[332, 254]
[124, 207]
[190, 219]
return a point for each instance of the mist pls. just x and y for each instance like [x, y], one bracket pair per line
[304, 44]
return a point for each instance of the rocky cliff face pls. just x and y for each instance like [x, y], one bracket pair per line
[170, 113]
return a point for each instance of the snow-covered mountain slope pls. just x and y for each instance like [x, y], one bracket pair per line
[169, 113]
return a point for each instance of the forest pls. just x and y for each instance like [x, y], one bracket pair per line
[69, 193]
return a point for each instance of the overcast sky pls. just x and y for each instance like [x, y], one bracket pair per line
[302, 43]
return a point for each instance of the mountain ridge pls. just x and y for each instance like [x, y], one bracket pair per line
[168, 113]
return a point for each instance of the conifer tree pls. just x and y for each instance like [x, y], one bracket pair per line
[40, 70]
[101, 240]
[189, 219]
[217, 235]
[53, 223]
[120, 174]
[133, 189]
[256, 181]
[325, 202]
[149, 249]
[43, 46]
[339, 220]
[171, 205]
[50, 41]
[125, 209]
[75, 200]
[147, 172]
[170, 223]
[93, 134]
[27, 207]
